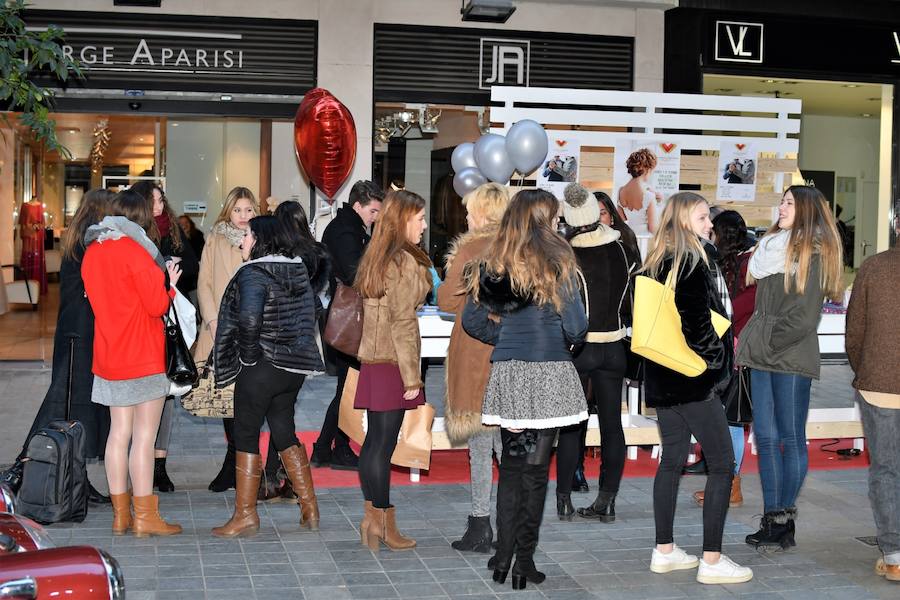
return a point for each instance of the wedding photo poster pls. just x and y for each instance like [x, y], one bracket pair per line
[560, 168]
[737, 171]
[665, 177]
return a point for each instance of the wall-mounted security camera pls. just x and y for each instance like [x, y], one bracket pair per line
[134, 105]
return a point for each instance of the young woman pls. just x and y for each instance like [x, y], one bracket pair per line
[265, 342]
[174, 246]
[194, 235]
[610, 217]
[469, 363]
[126, 281]
[732, 257]
[221, 258]
[637, 200]
[797, 264]
[393, 281]
[73, 347]
[687, 406]
[606, 266]
[527, 279]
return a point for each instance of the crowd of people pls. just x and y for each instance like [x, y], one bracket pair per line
[540, 339]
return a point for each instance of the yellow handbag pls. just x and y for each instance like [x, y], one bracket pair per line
[656, 331]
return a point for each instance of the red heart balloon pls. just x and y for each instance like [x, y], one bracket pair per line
[325, 140]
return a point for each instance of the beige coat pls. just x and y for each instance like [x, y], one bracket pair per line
[390, 324]
[217, 266]
[468, 364]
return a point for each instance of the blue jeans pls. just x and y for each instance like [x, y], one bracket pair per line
[780, 408]
[737, 444]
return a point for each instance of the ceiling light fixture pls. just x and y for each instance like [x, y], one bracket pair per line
[225, 98]
[865, 115]
[851, 85]
[768, 81]
[487, 11]
[428, 120]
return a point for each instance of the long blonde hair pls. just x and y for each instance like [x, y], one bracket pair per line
[813, 232]
[675, 238]
[231, 199]
[388, 243]
[529, 251]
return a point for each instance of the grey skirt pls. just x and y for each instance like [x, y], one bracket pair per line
[128, 392]
[533, 395]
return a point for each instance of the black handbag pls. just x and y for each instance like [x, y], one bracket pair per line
[180, 367]
[737, 398]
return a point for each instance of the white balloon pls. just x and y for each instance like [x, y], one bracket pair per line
[463, 157]
[526, 144]
[492, 159]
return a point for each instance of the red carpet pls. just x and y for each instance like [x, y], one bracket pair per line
[452, 466]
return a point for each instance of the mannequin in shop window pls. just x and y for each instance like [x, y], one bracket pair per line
[31, 230]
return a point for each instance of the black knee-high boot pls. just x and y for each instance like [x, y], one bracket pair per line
[531, 510]
[509, 494]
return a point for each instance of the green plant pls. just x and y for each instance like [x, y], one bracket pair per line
[25, 56]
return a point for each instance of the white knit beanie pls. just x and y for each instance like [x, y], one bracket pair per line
[580, 207]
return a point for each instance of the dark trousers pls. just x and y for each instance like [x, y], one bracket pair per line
[706, 421]
[265, 393]
[602, 369]
[375, 455]
[330, 432]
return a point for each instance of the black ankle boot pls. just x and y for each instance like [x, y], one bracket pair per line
[321, 455]
[773, 531]
[478, 536]
[698, 468]
[524, 570]
[564, 508]
[161, 479]
[792, 528]
[95, 497]
[225, 479]
[579, 483]
[603, 509]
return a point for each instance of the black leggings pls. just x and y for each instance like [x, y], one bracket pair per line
[603, 367]
[706, 421]
[375, 456]
[264, 392]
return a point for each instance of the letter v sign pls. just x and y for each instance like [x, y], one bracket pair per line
[897, 44]
[737, 47]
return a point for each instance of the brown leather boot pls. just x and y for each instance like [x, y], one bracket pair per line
[296, 463]
[735, 500]
[245, 520]
[383, 528]
[121, 505]
[369, 515]
[147, 521]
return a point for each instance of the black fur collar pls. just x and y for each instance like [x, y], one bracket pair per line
[495, 292]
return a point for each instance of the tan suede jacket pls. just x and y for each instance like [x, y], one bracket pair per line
[390, 325]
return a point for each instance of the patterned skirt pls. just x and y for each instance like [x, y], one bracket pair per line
[533, 395]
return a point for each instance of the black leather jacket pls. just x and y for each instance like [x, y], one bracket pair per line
[267, 313]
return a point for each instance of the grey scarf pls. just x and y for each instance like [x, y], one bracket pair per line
[231, 233]
[114, 228]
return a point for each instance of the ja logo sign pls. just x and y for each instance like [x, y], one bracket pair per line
[739, 42]
[503, 62]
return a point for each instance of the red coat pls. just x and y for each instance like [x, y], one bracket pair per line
[744, 302]
[127, 292]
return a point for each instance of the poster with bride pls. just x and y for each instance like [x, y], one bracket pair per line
[645, 173]
[560, 167]
[737, 172]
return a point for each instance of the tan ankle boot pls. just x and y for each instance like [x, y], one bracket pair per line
[147, 521]
[121, 505]
[296, 463]
[735, 500]
[245, 520]
[383, 528]
[369, 515]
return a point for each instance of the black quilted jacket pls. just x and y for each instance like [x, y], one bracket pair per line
[267, 313]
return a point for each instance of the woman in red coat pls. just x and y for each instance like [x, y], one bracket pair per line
[127, 284]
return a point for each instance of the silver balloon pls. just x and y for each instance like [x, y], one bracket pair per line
[526, 144]
[463, 157]
[467, 180]
[492, 159]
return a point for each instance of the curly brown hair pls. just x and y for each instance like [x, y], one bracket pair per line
[640, 161]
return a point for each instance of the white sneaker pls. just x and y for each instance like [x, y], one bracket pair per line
[724, 571]
[675, 560]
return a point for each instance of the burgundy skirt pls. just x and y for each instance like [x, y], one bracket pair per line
[380, 389]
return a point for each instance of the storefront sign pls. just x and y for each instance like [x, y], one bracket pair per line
[504, 62]
[739, 42]
[187, 53]
[415, 63]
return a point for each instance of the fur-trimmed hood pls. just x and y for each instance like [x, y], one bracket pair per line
[466, 238]
[495, 291]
